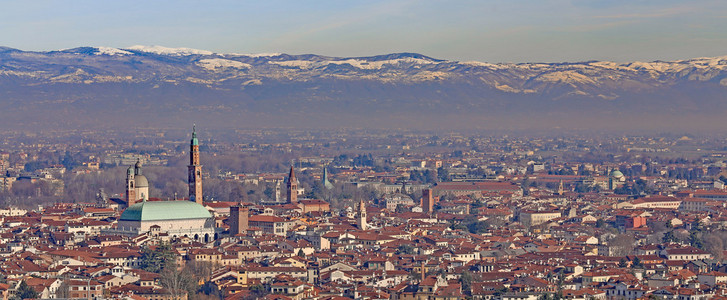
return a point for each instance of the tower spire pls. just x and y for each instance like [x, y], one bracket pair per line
[361, 218]
[194, 140]
[292, 187]
[326, 183]
[194, 179]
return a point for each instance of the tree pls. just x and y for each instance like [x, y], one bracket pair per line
[545, 296]
[695, 239]
[622, 263]
[157, 259]
[257, 292]
[466, 280]
[209, 288]
[600, 223]
[178, 282]
[636, 263]
[25, 292]
[476, 204]
[405, 249]
[669, 237]
[442, 174]
[477, 227]
[696, 226]
[501, 291]
[714, 244]
[200, 269]
[623, 244]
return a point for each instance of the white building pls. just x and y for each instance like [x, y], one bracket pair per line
[175, 218]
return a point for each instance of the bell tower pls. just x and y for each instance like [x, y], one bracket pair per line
[195, 169]
[292, 187]
[361, 218]
[130, 187]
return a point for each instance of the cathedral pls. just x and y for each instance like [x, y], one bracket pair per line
[185, 218]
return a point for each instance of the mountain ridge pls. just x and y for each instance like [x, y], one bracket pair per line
[378, 89]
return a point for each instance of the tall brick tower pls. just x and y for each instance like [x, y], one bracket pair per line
[427, 201]
[195, 170]
[238, 219]
[292, 187]
[130, 187]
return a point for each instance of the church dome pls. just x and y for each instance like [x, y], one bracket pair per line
[165, 210]
[617, 174]
[141, 181]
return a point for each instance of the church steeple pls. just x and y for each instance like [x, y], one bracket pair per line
[326, 183]
[361, 215]
[130, 187]
[195, 169]
[292, 186]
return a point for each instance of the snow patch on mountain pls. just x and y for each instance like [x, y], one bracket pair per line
[509, 89]
[256, 55]
[302, 64]
[483, 64]
[608, 65]
[657, 66]
[719, 62]
[169, 51]
[375, 65]
[357, 63]
[111, 51]
[216, 63]
[569, 77]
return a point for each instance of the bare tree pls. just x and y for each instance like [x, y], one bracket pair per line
[623, 244]
[178, 282]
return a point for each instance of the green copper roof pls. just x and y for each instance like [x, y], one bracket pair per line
[617, 173]
[327, 184]
[194, 141]
[165, 210]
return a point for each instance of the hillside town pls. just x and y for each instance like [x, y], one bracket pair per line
[364, 216]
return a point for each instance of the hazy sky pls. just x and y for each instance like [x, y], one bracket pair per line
[491, 31]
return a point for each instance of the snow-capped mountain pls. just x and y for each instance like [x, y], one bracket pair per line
[173, 79]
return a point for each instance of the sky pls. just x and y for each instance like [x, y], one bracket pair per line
[462, 30]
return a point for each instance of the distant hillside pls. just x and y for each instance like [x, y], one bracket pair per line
[155, 86]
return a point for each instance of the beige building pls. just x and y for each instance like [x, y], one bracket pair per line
[269, 224]
[534, 218]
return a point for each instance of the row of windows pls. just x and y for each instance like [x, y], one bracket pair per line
[83, 288]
